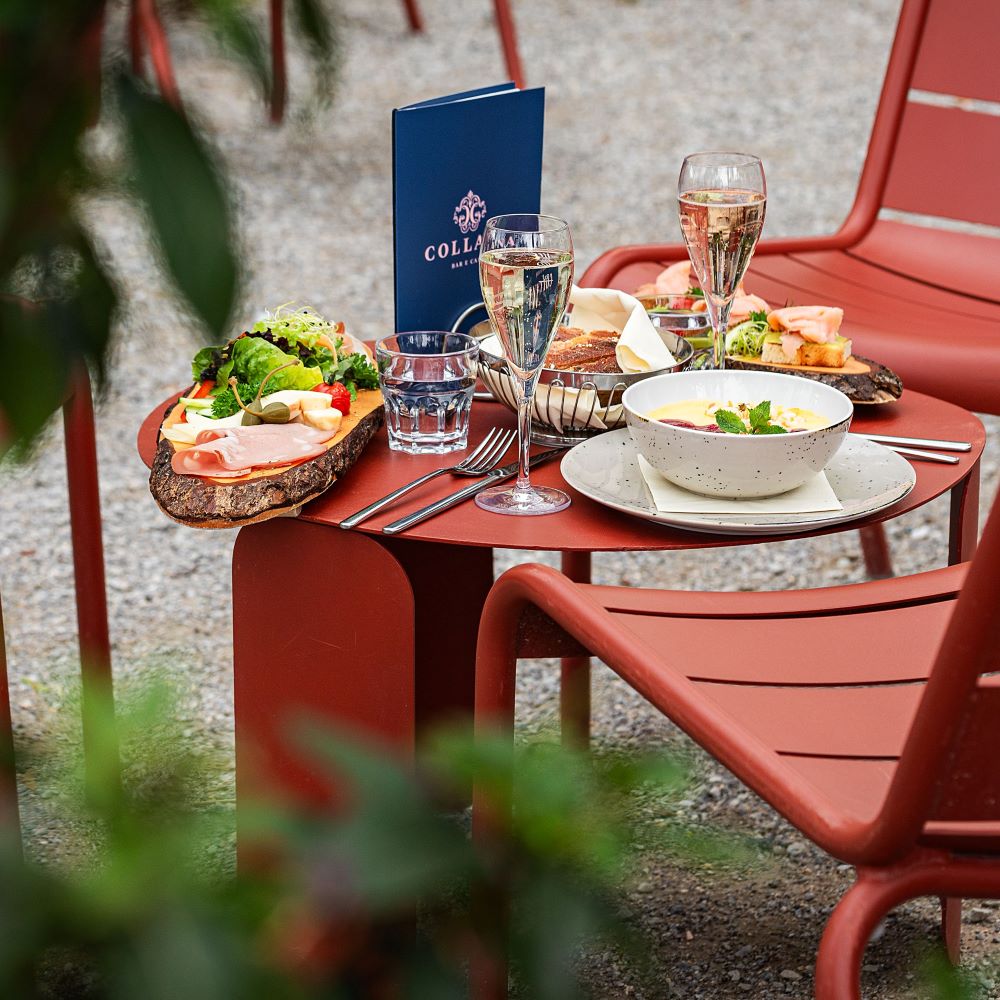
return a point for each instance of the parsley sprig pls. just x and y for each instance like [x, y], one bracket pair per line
[758, 417]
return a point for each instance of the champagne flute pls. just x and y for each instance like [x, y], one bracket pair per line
[526, 273]
[721, 198]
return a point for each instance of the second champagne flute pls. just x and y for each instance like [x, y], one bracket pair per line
[721, 198]
[526, 273]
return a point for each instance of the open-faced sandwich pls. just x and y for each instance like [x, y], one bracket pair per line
[677, 288]
[272, 419]
[806, 340]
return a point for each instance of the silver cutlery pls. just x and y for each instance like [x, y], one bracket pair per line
[484, 459]
[497, 476]
[922, 456]
[911, 442]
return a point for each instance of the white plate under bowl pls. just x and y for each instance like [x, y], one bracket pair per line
[865, 476]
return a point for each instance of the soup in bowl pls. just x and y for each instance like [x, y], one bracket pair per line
[736, 433]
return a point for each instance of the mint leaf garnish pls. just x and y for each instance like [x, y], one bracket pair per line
[770, 429]
[729, 422]
[760, 415]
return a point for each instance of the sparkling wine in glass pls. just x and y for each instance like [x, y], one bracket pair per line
[526, 273]
[721, 198]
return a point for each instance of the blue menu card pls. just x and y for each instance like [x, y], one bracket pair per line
[457, 161]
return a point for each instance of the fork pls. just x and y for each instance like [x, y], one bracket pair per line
[484, 459]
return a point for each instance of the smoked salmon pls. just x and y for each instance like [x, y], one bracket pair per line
[817, 324]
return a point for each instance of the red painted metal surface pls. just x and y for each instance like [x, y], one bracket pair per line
[88, 560]
[962, 186]
[586, 526]
[508, 39]
[959, 55]
[574, 672]
[333, 645]
[148, 27]
[879, 746]
[413, 16]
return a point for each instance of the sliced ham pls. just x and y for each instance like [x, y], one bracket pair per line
[227, 452]
[817, 324]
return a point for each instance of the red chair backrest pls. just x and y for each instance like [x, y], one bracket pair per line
[946, 158]
[950, 768]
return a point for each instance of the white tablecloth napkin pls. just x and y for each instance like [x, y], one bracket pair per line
[640, 348]
[811, 497]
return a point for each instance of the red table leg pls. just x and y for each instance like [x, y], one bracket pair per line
[83, 489]
[381, 644]
[450, 584]
[322, 629]
[574, 685]
[508, 39]
[963, 529]
[875, 549]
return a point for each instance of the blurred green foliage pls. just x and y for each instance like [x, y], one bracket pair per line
[144, 903]
[58, 295]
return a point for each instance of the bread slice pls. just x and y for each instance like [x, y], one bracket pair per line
[808, 355]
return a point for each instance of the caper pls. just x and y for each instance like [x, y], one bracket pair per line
[254, 413]
[275, 413]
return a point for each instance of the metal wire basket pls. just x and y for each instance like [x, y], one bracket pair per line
[570, 407]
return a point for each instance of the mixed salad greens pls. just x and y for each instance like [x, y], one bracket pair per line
[747, 339]
[297, 348]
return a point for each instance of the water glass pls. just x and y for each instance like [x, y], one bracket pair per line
[427, 378]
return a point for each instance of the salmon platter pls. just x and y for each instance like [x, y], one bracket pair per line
[271, 420]
[795, 340]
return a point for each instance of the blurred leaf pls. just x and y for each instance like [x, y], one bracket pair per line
[946, 982]
[177, 181]
[393, 845]
[240, 36]
[321, 33]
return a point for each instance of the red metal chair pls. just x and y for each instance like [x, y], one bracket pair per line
[880, 745]
[924, 301]
[144, 24]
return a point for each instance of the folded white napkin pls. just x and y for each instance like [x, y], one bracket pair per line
[811, 497]
[640, 348]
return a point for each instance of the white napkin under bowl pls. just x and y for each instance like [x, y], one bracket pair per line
[813, 496]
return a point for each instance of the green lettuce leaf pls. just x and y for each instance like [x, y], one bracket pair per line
[252, 358]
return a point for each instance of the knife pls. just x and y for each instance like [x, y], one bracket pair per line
[496, 476]
[923, 456]
[912, 442]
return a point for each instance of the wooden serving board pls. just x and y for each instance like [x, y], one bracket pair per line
[862, 380]
[203, 502]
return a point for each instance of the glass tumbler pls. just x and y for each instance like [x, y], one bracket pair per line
[427, 378]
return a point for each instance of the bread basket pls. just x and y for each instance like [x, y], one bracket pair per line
[570, 407]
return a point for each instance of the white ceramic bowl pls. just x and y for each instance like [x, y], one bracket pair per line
[736, 465]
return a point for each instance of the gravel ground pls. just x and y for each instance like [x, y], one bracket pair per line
[622, 109]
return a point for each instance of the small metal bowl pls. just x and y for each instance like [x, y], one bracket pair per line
[570, 407]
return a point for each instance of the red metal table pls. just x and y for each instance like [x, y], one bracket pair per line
[377, 634]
